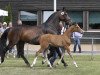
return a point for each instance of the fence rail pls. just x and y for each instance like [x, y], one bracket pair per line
[85, 38]
[92, 44]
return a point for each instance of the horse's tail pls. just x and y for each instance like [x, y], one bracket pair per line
[3, 39]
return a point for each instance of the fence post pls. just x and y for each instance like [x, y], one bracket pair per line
[92, 49]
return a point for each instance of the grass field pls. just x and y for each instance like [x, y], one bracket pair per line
[15, 66]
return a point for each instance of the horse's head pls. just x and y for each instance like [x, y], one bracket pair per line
[63, 16]
[75, 28]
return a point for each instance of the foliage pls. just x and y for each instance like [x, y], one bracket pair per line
[9, 17]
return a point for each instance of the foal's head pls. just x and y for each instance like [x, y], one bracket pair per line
[75, 28]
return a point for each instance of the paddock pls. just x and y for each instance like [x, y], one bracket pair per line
[86, 67]
[86, 50]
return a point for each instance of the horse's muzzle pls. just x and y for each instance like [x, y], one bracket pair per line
[82, 31]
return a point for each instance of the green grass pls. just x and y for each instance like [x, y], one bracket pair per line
[87, 66]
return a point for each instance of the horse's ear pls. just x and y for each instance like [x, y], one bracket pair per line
[74, 23]
[64, 9]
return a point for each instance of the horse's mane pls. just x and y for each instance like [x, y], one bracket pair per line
[51, 16]
[46, 26]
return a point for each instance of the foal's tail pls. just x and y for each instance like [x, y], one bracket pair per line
[3, 39]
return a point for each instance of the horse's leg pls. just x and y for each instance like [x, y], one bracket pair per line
[46, 58]
[60, 51]
[2, 59]
[20, 50]
[61, 56]
[55, 50]
[68, 51]
[36, 55]
[13, 39]
[8, 47]
[53, 53]
[14, 52]
[48, 55]
[44, 48]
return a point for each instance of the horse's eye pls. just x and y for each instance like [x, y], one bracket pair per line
[62, 13]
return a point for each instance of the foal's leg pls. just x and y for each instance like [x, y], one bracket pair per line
[53, 51]
[46, 58]
[60, 52]
[61, 57]
[20, 50]
[36, 55]
[68, 51]
[54, 55]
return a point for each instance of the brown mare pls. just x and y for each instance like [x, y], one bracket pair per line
[63, 41]
[20, 35]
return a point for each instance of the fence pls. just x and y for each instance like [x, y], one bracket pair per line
[92, 44]
[30, 49]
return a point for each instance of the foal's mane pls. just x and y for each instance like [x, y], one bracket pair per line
[69, 31]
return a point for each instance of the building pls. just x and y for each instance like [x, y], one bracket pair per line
[35, 12]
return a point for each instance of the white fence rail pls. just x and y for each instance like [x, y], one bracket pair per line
[92, 44]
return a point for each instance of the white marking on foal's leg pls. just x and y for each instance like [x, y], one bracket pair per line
[75, 64]
[14, 55]
[34, 62]
[61, 58]
[0, 60]
[43, 61]
[59, 62]
[48, 62]
[46, 58]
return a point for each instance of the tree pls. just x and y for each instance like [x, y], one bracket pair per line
[9, 17]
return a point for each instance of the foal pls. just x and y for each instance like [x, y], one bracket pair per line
[62, 41]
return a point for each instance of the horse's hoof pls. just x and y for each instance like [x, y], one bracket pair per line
[31, 66]
[50, 66]
[18, 56]
[28, 65]
[55, 66]
[65, 65]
